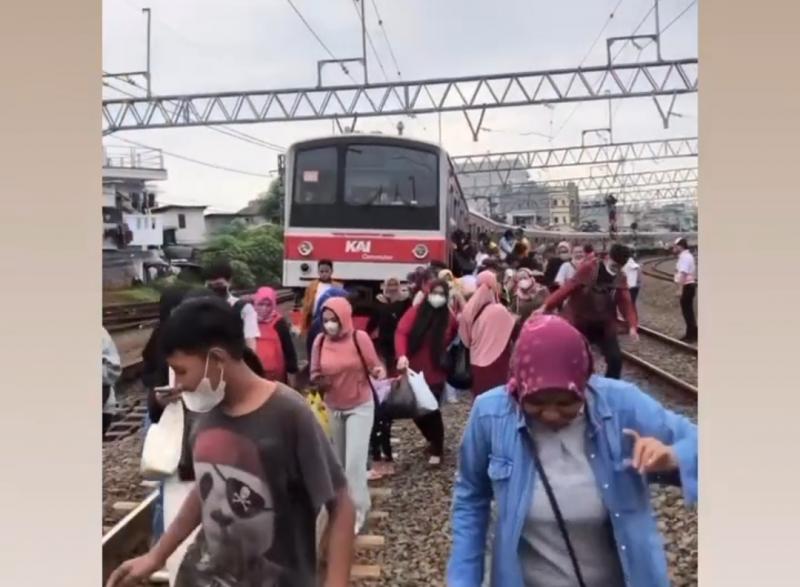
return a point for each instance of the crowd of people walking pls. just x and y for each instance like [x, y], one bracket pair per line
[558, 456]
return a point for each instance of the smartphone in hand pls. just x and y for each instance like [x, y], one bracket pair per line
[167, 394]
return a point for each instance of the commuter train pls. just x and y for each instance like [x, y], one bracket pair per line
[379, 206]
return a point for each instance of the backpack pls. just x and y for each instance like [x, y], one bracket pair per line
[595, 303]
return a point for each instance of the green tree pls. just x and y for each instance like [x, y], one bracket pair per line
[271, 202]
[256, 255]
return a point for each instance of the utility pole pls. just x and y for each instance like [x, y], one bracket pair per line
[147, 12]
[658, 32]
[364, 40]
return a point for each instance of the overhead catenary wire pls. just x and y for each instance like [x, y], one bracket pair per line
[588, 54]
[319, 39]
[196, 161]
[386, 36]
[663, 30]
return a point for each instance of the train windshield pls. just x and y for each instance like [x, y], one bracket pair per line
[366, 185]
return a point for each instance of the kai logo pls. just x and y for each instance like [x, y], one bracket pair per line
[358, 247]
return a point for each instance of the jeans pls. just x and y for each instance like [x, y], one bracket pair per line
[687, 309]
[605, 338]
[432, 426]
[350, 434]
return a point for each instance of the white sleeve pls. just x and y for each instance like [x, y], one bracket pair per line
[561, 276]
[250, 319]
[112, 366]
[684, 266]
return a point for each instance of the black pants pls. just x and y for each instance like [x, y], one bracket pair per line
[605, 338]
[634, 294]
[380, 441]
[432, 426]
[687, 309]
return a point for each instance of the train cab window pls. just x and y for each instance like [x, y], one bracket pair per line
[383, 175]
[315, 176]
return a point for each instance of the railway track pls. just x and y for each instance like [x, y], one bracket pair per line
[121, 317]
[131, 536]
[644, 361]
[652, 268]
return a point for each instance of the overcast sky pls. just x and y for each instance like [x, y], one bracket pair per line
[225, 45]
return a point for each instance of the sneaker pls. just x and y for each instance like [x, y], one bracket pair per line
[388, 469]
[434, 461]
[374, 475]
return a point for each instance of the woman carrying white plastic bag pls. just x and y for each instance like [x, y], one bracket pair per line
[421, 340]
[426, 401]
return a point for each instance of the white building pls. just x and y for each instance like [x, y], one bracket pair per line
[182, 224]
[129, 197]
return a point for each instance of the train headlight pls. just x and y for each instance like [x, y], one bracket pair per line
[305, 248]
[420, 251]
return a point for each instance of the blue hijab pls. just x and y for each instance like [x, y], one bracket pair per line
[316, 322]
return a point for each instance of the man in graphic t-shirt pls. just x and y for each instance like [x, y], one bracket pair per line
[263, 470]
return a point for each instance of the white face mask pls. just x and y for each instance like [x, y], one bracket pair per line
[525, 284]
[331, 327]
[564, 256]
[205, 398]
[437, 300]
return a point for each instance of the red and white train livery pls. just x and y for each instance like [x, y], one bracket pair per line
[377, 206]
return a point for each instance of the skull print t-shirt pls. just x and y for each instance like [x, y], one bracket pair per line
[262, 479]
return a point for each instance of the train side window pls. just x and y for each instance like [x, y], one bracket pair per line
[315, 176]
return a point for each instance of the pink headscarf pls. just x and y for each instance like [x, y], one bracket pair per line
[487, 337]
[267, 293]
[524, 295]
[550, 354]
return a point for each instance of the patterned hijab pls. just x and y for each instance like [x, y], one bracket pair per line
[550, 354]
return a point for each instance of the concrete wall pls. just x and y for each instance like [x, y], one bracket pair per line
[194, 232]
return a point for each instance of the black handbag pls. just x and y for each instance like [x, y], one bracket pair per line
[400, 402]
[458, 365]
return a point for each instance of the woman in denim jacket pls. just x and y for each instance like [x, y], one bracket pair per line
[599, 442]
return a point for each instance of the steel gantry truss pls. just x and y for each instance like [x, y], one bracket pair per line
[504, 163]
[668, 195]
[595, 183]
[661, 195]
[467, 94]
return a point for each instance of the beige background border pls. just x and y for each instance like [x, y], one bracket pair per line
[750, 402]
[49, 195]
[50, 227]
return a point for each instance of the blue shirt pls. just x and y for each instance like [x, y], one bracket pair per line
[496, 461]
